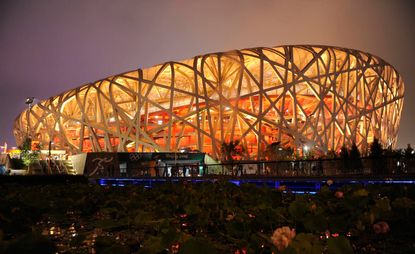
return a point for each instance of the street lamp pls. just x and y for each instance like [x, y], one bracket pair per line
[305, 152]
[29, 102]
[50, 148]
[50, 156]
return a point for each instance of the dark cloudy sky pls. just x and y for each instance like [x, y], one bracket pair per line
[50, 46]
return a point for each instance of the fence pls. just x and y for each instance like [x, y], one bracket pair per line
[383, 166]
[45, 167]
[299, 168]
[318, 167]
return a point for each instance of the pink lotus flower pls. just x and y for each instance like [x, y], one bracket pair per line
[381, 227]
[230, 217]
[282, 237]
[339, 194]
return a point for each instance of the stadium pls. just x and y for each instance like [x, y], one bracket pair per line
[313, 97]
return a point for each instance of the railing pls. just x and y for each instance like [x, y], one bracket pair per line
[299, 168]
[383, 166]
[50, 167]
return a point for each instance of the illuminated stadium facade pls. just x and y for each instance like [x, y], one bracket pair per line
[316, 96]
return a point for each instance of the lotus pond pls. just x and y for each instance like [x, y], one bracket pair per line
[205, 217]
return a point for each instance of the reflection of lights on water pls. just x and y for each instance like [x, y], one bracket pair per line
[174, 248]
[72, 231]
[333, 235]
[45, 232]
[55, 231]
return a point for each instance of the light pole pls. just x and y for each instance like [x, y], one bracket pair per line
[50, 156]
[305, 150]
[29, 101]
[50, 147]
[27, 142]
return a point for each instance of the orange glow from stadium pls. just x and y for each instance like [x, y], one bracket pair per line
[318, 96]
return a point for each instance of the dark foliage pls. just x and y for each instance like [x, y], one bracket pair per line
[213, 217]
[17, 163]
[378, 162]
[344, 155]
[355, 159]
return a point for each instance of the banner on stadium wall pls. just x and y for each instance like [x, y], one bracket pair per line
[102, 165]
[108, 164]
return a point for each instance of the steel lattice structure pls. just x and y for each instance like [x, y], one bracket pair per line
[318, 96]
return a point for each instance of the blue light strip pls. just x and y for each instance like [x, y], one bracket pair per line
[293, 186]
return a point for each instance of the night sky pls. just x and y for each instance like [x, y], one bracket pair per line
[50, 46]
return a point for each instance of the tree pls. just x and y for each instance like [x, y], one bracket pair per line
[232, 149]
[271, 152]
[274, 152]
[27, 155]
[355, 160]
[331, 154]
[376, 155]
[376, 149]
[409, 159]
[409, 152]
[344, 155]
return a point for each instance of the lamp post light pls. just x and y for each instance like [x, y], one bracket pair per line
[50, 148]
[306, 148]
[50, 156]
[29, 102]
